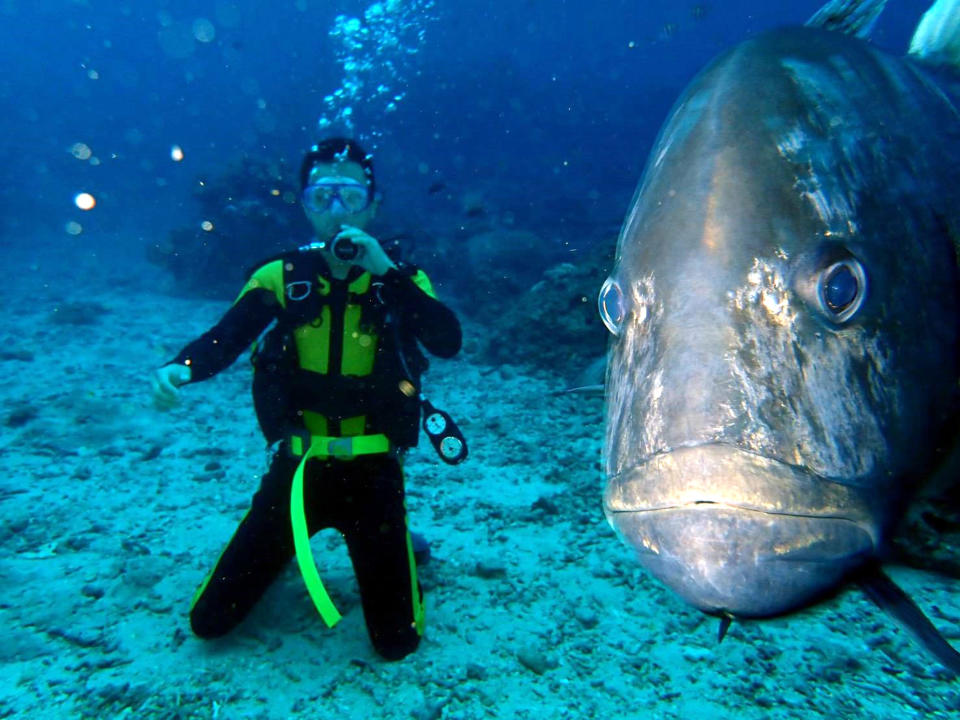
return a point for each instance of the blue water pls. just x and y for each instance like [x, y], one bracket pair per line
[543, 102]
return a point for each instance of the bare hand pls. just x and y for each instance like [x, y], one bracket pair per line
[371, 257]
[166, 382]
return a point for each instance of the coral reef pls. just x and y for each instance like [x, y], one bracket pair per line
[554, 323]
[244, 215]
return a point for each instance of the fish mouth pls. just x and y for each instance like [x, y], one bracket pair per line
[738, 533]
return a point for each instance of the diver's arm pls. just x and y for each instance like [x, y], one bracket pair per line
[432, 322]
[217, 348]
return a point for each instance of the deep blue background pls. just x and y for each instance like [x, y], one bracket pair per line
[541, 104]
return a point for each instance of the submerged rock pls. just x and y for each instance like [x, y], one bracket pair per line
[554, 323]
[537, 661]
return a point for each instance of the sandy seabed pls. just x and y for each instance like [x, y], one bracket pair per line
[112, 513]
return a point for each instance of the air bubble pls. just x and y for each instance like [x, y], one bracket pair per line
[203, 30]
[85, 201]
[374, 55]
[81, 151]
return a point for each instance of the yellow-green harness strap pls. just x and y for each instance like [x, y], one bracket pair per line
[301, 543]
[343, 448]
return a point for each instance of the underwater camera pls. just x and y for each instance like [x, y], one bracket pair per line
[344, 249]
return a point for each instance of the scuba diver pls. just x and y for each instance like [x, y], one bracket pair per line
[336, 387]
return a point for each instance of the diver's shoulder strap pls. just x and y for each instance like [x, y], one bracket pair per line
[305, 278]
[276, 272]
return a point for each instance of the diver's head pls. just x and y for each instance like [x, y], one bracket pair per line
[337, 186]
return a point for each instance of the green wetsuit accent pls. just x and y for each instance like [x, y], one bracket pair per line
[301, 544]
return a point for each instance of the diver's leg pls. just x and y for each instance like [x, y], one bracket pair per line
[383, 558]
[259, 550]
[421, 548]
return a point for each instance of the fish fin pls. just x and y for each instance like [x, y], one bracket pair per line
[592, 390]
[851, 17]
[937, 37]
[725, 621]
[889, 597]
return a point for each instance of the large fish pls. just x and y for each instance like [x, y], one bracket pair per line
[784, 368]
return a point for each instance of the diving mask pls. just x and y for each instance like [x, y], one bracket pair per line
[327, 193]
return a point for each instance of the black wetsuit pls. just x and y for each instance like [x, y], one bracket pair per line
[362, 497]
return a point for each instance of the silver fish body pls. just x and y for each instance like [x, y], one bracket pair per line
[785, 308]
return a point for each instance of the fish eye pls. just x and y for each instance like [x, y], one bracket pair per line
[611, 305]
[842, 289]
